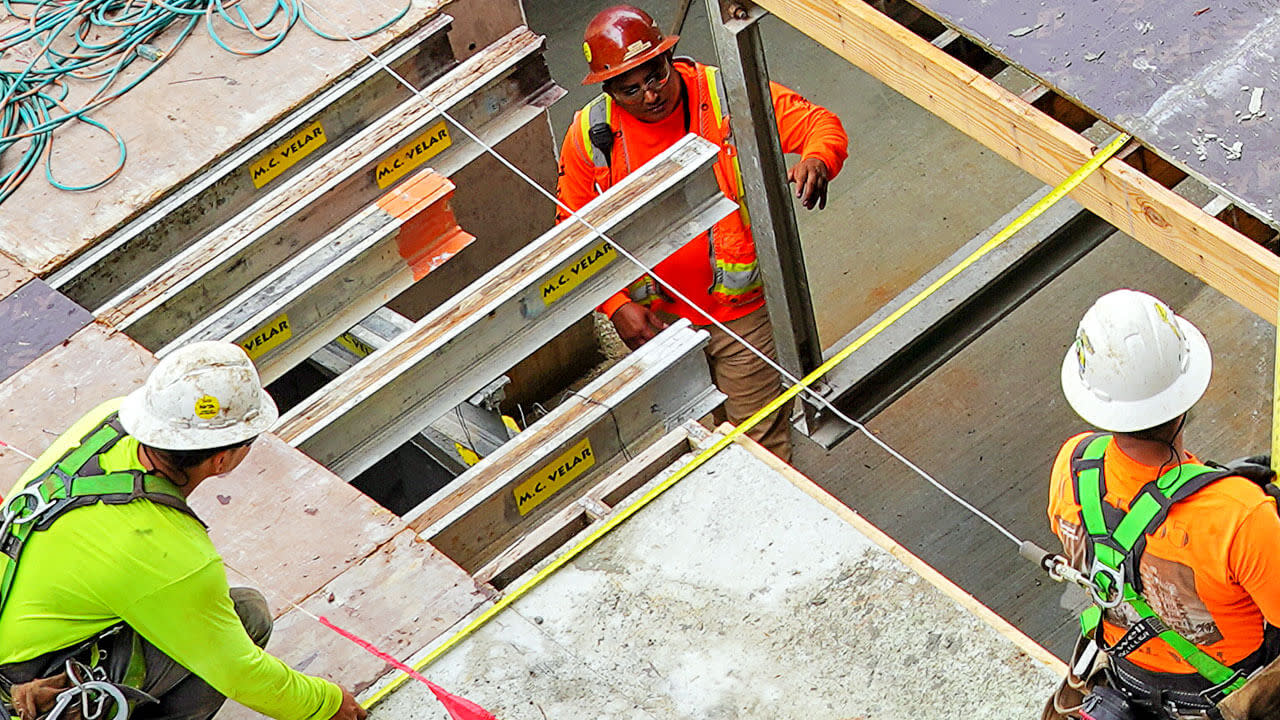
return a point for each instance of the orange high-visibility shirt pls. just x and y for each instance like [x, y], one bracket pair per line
[1211, 570]
[803, 128]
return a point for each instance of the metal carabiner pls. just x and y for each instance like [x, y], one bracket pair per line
[10, 515]
[81, 690]
[1116, 575]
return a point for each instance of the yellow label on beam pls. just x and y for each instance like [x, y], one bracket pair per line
[551, 479]
[411, 156]
[584, 267]
[287, 154]
[355, 345]
[269, 336]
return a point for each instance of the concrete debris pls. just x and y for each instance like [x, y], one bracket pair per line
[1255, 102]
[1142, 26]
[1093, 57]
[1233, 151]
[1019, 32]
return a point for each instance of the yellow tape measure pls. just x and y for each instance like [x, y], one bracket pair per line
[1059, 192]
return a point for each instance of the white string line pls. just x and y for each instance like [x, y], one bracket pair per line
[666, 286]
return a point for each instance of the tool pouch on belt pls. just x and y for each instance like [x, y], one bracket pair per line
[1258, 699]
[30, 689]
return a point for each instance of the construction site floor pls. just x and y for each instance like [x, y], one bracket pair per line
[989, 422]
[742, 592]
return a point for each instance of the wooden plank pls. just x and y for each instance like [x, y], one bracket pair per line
[12, 275]
[318, 525]
[188, 113]
[1122, 195]
[51, 393]
[33, 320]
[400, 598]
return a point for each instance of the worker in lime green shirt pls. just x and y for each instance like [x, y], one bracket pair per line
[111, 592]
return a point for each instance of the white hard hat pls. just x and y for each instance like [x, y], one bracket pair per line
[202, 396]
[1134, 364]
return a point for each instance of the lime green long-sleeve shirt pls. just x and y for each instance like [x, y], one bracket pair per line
[156, 569]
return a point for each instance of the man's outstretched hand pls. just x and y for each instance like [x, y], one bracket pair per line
[349, 709]
[810, 177]
[636, 324]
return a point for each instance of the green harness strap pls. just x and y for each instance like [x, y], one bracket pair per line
[76, 480]
[1117, 540]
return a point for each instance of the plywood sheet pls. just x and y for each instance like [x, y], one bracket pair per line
[283, 518]
[40, 401]
[200, 104]
[12, 275]
[1173, 73]
[400, 599]
[735, 594]
[34, 319]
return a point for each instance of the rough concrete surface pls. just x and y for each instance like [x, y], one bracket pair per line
[716, 604]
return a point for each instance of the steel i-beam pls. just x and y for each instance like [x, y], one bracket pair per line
[292, 312]
[245, 175]
[505, 315]
[493, 93]
[764, 176]
[553, 462]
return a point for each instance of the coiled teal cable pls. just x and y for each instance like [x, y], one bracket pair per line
[76, 41]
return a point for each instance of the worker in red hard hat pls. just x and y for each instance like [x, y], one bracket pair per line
[650, 100]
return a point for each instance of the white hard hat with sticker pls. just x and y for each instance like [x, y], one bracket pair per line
[1134, 363]
[199, 397]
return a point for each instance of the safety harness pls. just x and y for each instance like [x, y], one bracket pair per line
[75, 480]
[1116, 541]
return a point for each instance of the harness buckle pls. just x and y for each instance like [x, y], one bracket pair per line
[1217, 693]
[34, 507]
[1111, 597]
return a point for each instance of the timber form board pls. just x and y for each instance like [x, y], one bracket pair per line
[1136, 202]
[1189, 78]
[212, 101]
[261, 516]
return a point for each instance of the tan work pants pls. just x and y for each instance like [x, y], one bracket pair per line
[749, 382]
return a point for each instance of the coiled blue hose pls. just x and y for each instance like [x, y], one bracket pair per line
[100, 41]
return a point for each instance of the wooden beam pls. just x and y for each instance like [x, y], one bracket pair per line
[1136, 204]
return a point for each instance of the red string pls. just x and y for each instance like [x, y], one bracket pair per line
[459, 708]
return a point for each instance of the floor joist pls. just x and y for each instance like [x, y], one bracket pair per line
[554, 461]
[244, 175]
[1122, 195]
[492, 93]
[505, 315]
[310, 300]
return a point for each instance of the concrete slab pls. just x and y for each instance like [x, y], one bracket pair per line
[736, 594]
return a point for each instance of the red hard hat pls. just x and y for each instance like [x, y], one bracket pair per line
[619, 39]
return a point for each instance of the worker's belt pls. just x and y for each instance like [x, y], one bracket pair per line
[1188, 692]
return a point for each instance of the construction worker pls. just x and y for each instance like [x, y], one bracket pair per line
[112, 590]
[650, 101]
[1181, 557]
